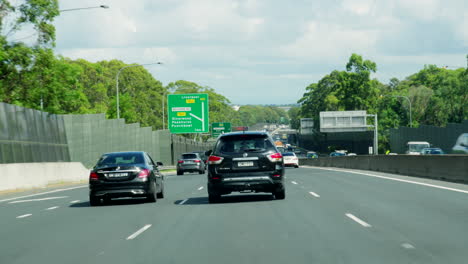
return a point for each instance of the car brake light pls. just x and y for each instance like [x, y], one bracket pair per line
[93, 176]
[215, 178]
[198, 161]
[215, 160]
[275, 157]
[180, 161]
[277, 175]
[143, 173]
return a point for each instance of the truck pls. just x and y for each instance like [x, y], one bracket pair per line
[415, 147]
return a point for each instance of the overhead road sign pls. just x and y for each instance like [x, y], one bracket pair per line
[220, 128]
[188, 113]
[343, 121]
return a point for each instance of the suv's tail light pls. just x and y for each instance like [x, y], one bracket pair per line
[197, 161]
[180, 161]
[143, 173]
[275, 157]
[215, 160]
[93, 176]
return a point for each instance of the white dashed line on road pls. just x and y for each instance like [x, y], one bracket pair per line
[293, 182]
[201, 188]
[357, 220]
[183, 201]
[23, 216]
[52, 208]
[407, 246]
[137, 233]
[39, 199]
[76, 201]
[314, 194]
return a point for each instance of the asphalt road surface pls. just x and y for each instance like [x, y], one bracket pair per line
[328, 216]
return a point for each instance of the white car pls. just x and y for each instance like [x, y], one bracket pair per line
[461, 146]
[290, 159]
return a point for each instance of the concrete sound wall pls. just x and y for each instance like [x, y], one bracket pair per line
[16, 176]
[442, 167]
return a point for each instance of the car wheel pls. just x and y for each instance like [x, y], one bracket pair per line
[201, 172]
[94, 201]
[280, 195]
[152, 197]
[180, 173]
[161, 194]
[296, 166]
[106, 200]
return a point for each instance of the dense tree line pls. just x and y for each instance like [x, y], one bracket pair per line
[438, 96]
[33, 76]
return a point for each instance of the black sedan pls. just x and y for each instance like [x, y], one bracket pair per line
[125, 174]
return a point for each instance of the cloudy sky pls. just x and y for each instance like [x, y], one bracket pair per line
[265, 51]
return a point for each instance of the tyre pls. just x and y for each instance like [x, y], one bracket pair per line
[161, 194]
[296, 166]
[180, 172]
[94, 201]
[106, 200]
[201, 172]
[280, 195]
[152, 197]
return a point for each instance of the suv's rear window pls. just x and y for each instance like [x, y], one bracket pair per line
[244, 143]
[189, 156]
[288, 154]
[121, 159]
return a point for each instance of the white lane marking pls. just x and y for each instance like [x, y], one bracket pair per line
[314, 194]
[38, 199]
[52, 208]
[407, 246]
[400, 180]
[359, 221]
[293, 182]
[137, 233]
[37, 194]
[183, 201]
[201, 188]
[76, 201]
[23, 216]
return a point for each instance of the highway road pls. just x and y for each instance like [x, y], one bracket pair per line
[328, 216]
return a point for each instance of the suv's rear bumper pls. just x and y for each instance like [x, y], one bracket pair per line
[256, 182]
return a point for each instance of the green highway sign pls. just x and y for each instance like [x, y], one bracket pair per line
[188, 113]
[220, 128]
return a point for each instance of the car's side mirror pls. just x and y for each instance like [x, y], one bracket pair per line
[159, 163]
[208, 153]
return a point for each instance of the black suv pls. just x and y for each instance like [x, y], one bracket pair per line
[125, 174]
[245, 161]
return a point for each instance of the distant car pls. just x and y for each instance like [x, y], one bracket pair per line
[432, 151]
[351, 154]
[125, 174]
[290, 159]
[337, 154]
[190, 162]
[311, 155]
[461, 146]
[245, 162]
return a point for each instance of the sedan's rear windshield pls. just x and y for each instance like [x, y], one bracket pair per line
[244, 143]
[121, 159]
[189, 156]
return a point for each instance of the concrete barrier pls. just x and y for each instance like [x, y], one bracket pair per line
[16, 176]
[442, 167]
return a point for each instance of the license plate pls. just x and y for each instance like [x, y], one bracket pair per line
[245, 164]
[189, 162]
[117, 175]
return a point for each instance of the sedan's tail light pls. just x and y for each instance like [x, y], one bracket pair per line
[144, 173]
[275, 157]
[180, 161]
[93, 176]
[215, 160]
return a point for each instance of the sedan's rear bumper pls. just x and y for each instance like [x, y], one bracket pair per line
[112, 191]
